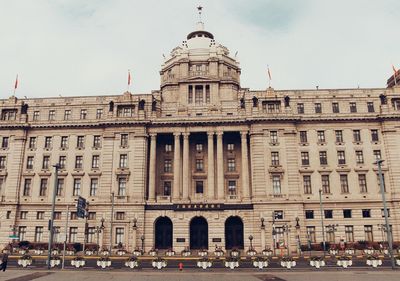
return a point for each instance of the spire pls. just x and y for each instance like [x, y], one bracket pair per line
[200, 23]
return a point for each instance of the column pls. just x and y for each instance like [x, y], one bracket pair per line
[210, 164]
[185, 167]
[177, 161]
[220, 166]
[152, 167]
[245, 166]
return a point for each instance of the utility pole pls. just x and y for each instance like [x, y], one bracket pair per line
[65, 238]
[322, 219]
[111, 221]
[385, 211]
[85, 232]
[53, 206]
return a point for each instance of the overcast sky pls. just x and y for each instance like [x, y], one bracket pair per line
[75, 47]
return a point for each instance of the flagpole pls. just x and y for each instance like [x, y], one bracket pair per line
[269, 77]
[15, 85]
[129, 80]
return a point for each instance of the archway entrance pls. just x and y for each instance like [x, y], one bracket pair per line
[163, 233]
[234, 233]
[198, 233]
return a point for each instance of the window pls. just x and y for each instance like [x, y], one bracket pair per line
[35, 115]
[368, 233]
[99, 113]
[321, 136]
[73, 233]
[374, 135]
[300, 108]
[167, 166]
[198, 94]
[83, 114]
[303, 136]
[119, 235]
[199, 165]
[199, 147]
[344, 184]
[67, 114]
[232, 187]
[52, 115]
[91, 215]
[8, 215]
[377, 155]
[347, 213]
[4, 142]
[353, 107]
[32, 142]
[29, 163]
[307, 184]
[168, 147]
[349, 233]
[330, 234]
[359, 157]
[370, 106]
[311, 234]
[123, 161]
[366, 213]
[8, 114]
[38, 233]
[62, 161]
[275, 158]
[94, 183]
[318, 108]
[95, 161]
[57, 215]
[231, 165]
[45, 163]
[77, 187]
[73, 216]
[323, 158]
[78, 162]
[91, 231]
[273, 136]
[335, 107]
[21, 233]
[43, 187]
[80, 142]
[23, 215]
[120, 215]
[121, 186]
[60, 187]
[207, 93]
[199, 186]
[124, 140]
[339, 135]
[362, 182]
[64, 142]
[231, 147]
[190, 94]
[40, 215]
[3, 162]
[276, 184]
[167, 188]
[278, 215]
[27, 187]
[326, 189]
[328, 214]
[96, 141]
[356, 136]
[47, 142]
[305, 161]
[126, 110]
[309, 214]
[341, 157]
[383, 213]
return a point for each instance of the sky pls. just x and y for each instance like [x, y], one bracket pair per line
[77, 48]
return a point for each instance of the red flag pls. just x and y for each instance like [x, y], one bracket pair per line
[16, 83]
[129, 78]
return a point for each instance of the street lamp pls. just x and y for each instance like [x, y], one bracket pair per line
[297, 226]
[273, 233]
[251, 241]
[385, 210]
[53, 206]
[142, 238]
[322, 219]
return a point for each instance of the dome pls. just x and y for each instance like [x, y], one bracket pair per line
[200, 39]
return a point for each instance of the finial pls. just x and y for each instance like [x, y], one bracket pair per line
[200, 9]
[200, 24]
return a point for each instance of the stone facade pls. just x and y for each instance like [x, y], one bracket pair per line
[202, 146]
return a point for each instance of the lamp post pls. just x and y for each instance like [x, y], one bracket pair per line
[142, 238]
[297, 226]
[111, 221]
[286, 230]
[385, 210]
[251, 241]
[322, 219]
[273, 233]
[53, 206]
[99, 229]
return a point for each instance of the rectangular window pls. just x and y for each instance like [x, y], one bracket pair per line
[27, 187]
[92, 216]
[46, 162]
[207, 93]
[168, 147]
[347, 213]
[231, 147]
[124, 140]
[362, 182]
[300, 108]
[318, 108]
[62, 161]
[43, 187]
[325, 184]
[21, 233]
[339, 135]
[38, 233]
[374, 135]
[29, 163]
[167, 166]
[383, 213]
[273, 136]
[83, 114]
[94, 183]
[368, 233]
[305, 160]
[23, 215]
[307, 184]
[199, 147]
[40, 215]
[303, 137]
[99, 113]
[4, 142]
[96, 141]
[278, 215]
[311, 234]
[36, 115]
[47, 142]
[73, 234]
[356, 135]
[32, 142]
[275, 158]
[370, 106]
[57, 215]
[3, 162]
[359, 157]
[199, 165]
[120, 216]
[60, 187]
[199, 186]
[232, 187]
[64, 142]
[77, 187]
[377, 155]
[335, 107]
[167, 188]
[349, 233]
[198, 94]
[366, 213]
[328, 214]
[52, 115]
[80, 142]
[309, 214]
[276, 184]
[73, 216]
[330, 234]
[321, 136]
[123, 161]
[67, 114]
[231, 165]
[95, 161]
[344, 184]
[323, 158]
[190, 94]
[119, 235]
[341, 157]
[91, 232]
[353, 107]
[121, 186]
[78, 162]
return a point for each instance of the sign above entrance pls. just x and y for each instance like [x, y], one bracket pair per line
[200, 207]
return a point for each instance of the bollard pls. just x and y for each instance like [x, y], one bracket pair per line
[180, 266]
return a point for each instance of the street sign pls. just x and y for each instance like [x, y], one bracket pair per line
[13, 236]
[81, 207]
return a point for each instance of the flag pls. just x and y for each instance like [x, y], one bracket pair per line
[16, 83]
[269, 74]
[394, 69]
[129, 77]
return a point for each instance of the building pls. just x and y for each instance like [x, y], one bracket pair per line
[202, 161]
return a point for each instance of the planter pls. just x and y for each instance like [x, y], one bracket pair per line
[344, 263]
[350, 251]
[55, 252]
[232, 263]
[104, 263]
[22, 251]
[251, 253]
[24, 262]
[385, 252]
[398, 261]
[219, 253]
[153, 253]
[186, 253]
[333, 252]
[105, 253]
[203, 253]
[234, 253]
[89, 253]
[369, 251]
[137, 253]
[78, 263]
[260, 263]
[55, 262]
[317, 263]
[288, 264]
[38, 251]
[170, 253]
[267, 252]
[121, 252]
[374, 262]
[132, 262]
[69, 253]
[204, 263]
[159, 263]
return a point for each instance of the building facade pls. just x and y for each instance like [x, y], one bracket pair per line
[202, 161]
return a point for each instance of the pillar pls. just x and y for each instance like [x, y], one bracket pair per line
[220, 166]
[177, 161]
[185, 167]
[245, 166]
[210, 164]
[152, 167]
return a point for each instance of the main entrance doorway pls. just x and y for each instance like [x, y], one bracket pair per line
[198, 233]
[234, 233]
[163, 233]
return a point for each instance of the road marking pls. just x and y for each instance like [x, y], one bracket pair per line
[30, 276]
